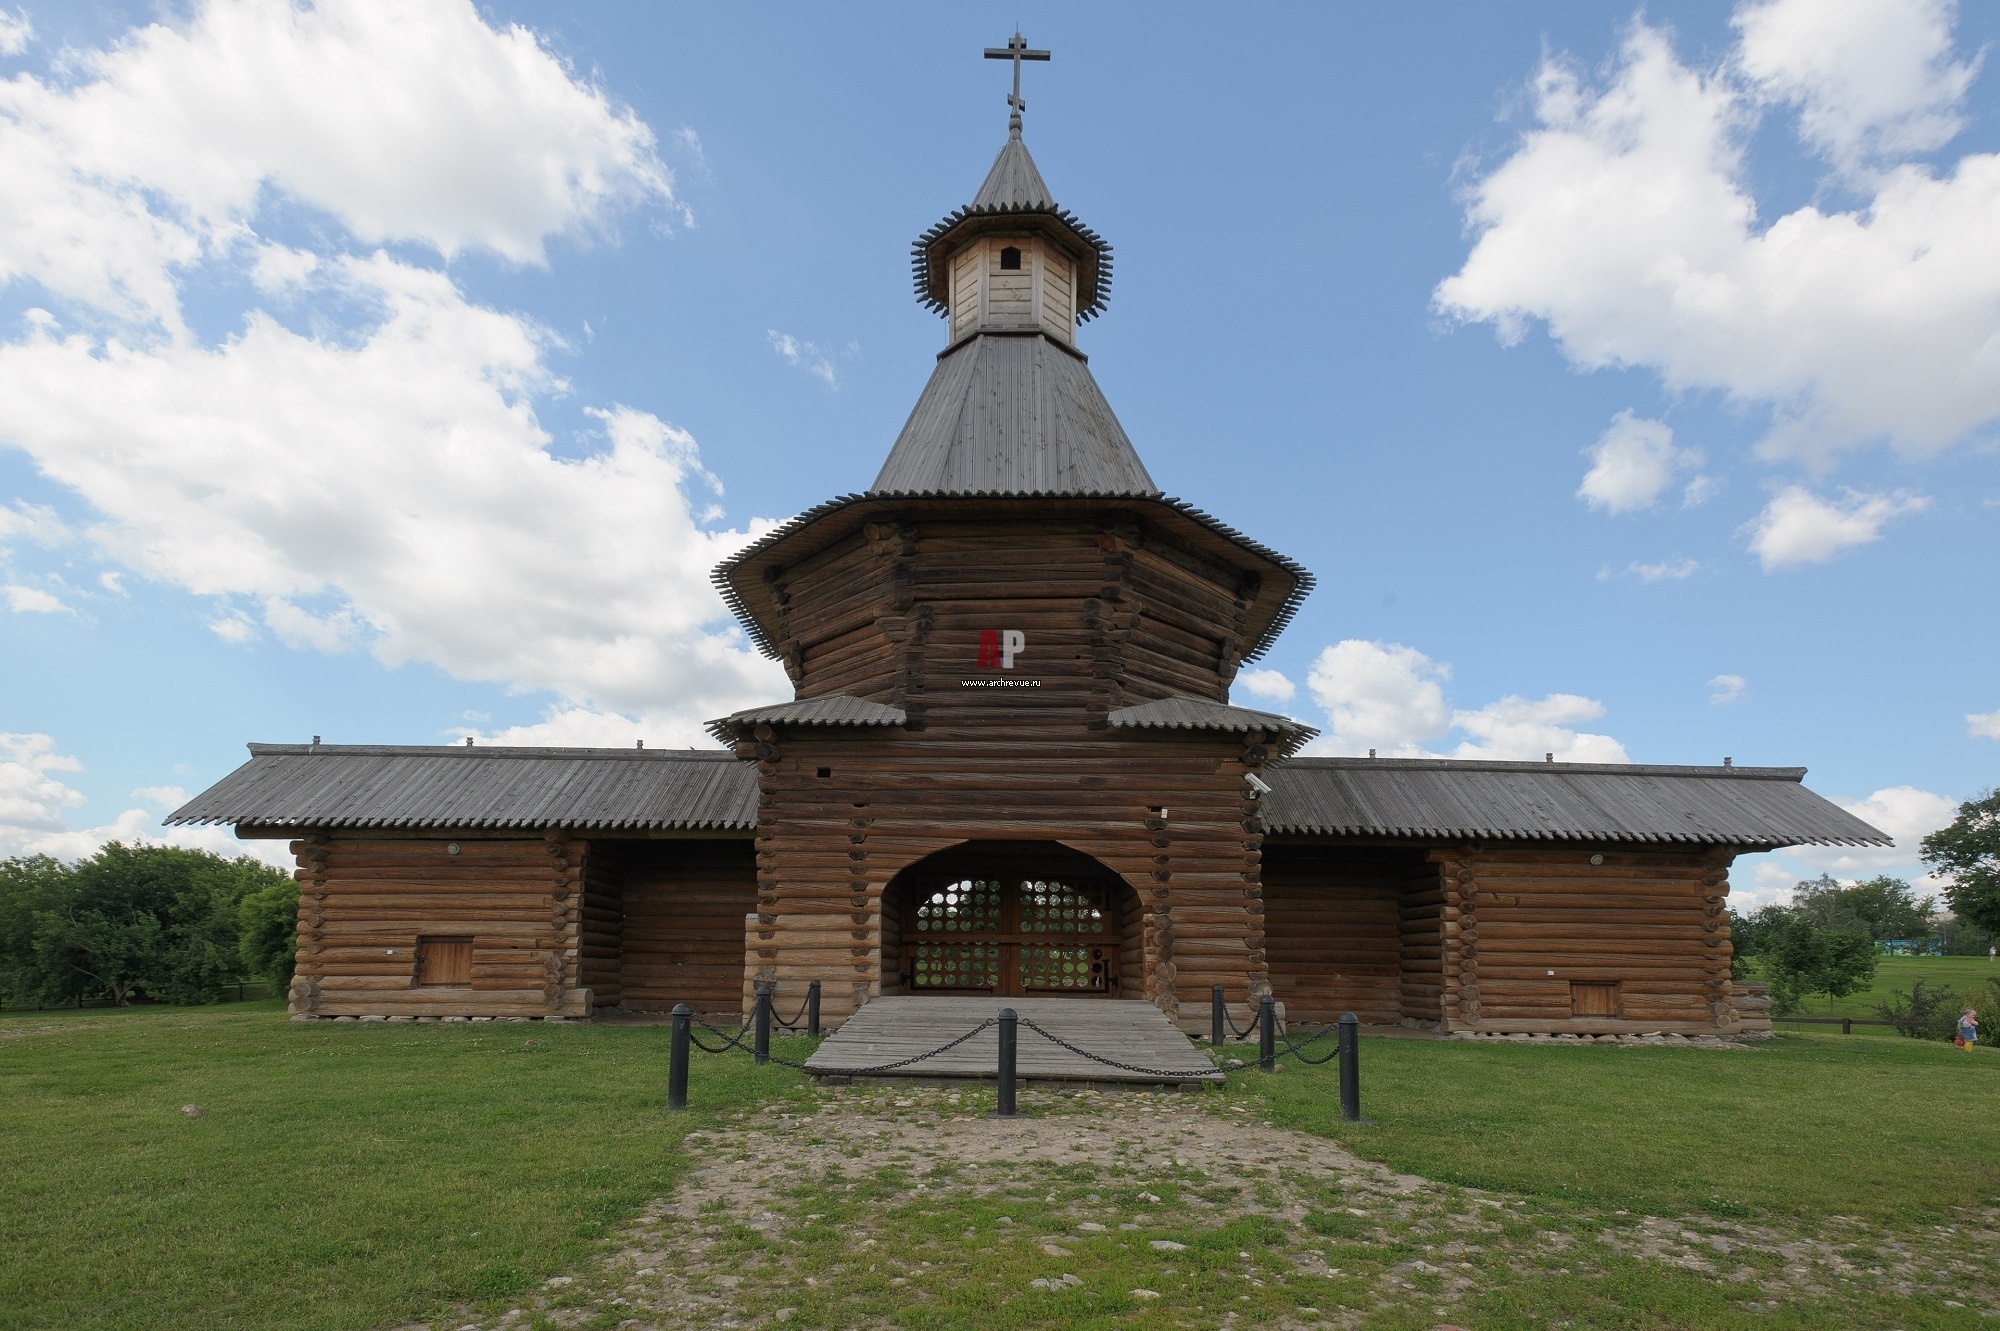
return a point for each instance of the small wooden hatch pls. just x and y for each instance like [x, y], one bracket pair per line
[444, 961]
[1593, 999]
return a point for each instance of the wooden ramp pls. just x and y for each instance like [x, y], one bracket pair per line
[1124, 1031]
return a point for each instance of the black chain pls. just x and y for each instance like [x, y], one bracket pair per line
[1162, 1073]
[1243, 1034]
[793, 1024]
[736, 1042]
[915, 1058]
[1292, 1047]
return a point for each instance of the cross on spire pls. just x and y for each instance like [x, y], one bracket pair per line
[1015, 50]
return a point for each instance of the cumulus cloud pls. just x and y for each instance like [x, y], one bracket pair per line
[380, 482]
[1870, 78]
[1632, 464]
[404, 122]
[814, 359]
[1625, 223]
[1905, 813]
[1726, 689]
[31, 600]
[15, 32]
[1390, 699]
[1660, 570]
[1270, 685]
[34, 807]
[1983, 725]
[1798, 527]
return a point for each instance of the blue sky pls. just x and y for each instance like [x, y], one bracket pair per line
[395, 373]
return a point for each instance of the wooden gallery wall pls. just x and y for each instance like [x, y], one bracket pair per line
[465, 925]
[1529, 940]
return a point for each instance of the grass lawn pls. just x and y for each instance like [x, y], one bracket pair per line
[361, 1175]
[1968, 975]
[343, 1175]
[1802, 1127]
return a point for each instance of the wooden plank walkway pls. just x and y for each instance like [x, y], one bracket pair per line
[1125, 1030]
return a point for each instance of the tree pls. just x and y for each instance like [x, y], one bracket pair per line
[1802, 958]
[267, 932]
[157, 920]
[1886, 907]
[28, 886]
[1967, 855]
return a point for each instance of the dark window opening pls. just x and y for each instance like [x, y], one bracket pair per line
[1010, 258]
[444, 961]
[825, 772]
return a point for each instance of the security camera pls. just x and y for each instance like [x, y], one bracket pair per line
[1258, 786]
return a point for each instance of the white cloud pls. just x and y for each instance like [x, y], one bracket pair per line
[1521, 729]
[1665, 570]
[1270, 685]
[1632, 462]
[814, 359]
[398, 492]
[1904, 812]
[1798, 527]
[404, 122]
[1390, 698]
[381, 482]
[35, 522]
[1983, 725]
[1377, 695]
[1726, 689]
[1624, 221]
[15, 32]
[1871, 78]
[31, 600]
[34, 807]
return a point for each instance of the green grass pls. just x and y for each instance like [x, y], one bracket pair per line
[343, 1175]
[360, 1175]
[1968, 975]
[1804, 1126]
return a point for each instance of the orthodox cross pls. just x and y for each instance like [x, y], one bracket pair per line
[1016, 51]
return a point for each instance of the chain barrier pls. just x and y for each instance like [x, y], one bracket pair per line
[1164, 1074]
[797, 1017]
[1292, 1048]
[1247, 1031]
[736, 1042]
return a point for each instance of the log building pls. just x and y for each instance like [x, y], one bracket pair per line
[1011, 767]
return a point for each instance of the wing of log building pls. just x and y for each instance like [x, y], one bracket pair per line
[1010, 766]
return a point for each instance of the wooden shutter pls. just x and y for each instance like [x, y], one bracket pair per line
[444, 961]
[1593, 1000]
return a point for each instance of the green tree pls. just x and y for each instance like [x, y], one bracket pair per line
[267, 932]
[1886, 907]
[1804, 958]
[29, 884]
[1967, 855]
[157, 920]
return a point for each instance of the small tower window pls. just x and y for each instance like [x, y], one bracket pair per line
[1010, 259]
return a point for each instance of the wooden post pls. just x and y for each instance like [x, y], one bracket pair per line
[812, 1008]
[763, 1020]
[1008, 1035]
[677, 1058]
[1350, 1067]
[1217, 1018]
[1267, 1033]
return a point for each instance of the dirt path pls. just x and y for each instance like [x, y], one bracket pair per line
[869, 1206]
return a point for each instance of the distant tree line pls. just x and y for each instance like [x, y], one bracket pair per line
[152, 922]
[1825, 940]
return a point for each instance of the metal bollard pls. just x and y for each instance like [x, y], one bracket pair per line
[1217, 1018]
[677, 1058]
[1008, 1033]
[763, 1020]
[1267, 1033]
[812, 1008]
[1350, 1068]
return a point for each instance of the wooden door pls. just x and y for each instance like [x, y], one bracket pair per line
[1011, 937]
[1593, 1000]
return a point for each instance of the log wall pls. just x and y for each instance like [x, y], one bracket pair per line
[1522, 926]
[366, 901]
[684, 908]
[1335, 919]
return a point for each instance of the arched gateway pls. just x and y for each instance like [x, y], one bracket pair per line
[1011, 767]
[1012, 919]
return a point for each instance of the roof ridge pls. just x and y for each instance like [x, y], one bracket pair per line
[1552, 768]
[260, 750]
